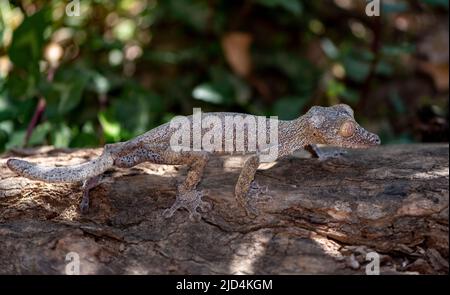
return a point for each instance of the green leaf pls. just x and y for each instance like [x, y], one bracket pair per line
[101, 83]
[335, 89]
[7, 111]
[65, 93]
[40, 133]
[223, 88]
[61, 136]
[71, 95]
[22, 86]
[28, 41]
[329, 48]
[38, 137]
[7, 126]
[16, 139]
[144, 106]
[111, 128]
[207, 92]
[85, 137]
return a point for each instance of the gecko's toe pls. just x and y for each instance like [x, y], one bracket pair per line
[195, 217]
[251, 211]
[205, 206]
[168, 213]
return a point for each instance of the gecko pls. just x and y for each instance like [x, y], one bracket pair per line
[334, 125]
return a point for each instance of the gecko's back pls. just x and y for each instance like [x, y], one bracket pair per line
[215, 132]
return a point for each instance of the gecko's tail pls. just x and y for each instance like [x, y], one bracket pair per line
[72, 173]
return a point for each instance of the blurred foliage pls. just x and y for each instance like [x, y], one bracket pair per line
[122, 67]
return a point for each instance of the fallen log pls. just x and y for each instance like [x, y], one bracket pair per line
[317, 217]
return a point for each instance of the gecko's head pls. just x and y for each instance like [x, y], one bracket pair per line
[336, 126]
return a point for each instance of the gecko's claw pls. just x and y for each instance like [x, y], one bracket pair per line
[190, 200]
[195, 217]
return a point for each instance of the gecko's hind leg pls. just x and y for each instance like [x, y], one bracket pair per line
[188, 196]
[243, 190]
[87, 186]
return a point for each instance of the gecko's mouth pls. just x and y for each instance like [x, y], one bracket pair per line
[369, 140]
[362, 141]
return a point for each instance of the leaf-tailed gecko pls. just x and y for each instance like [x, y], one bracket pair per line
[333, 125]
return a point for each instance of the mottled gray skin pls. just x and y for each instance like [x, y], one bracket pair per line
[320, 125]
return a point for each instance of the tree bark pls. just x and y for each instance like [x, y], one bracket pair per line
[318, 217]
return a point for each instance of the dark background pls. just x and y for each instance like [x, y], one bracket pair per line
[123, 67]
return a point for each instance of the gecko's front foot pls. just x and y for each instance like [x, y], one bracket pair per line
[190, 200]
[250, 210]
[253, 194]
[87, 186]
[256, 190]
[84, 204]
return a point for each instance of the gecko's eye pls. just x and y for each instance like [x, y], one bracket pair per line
[347, 129]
